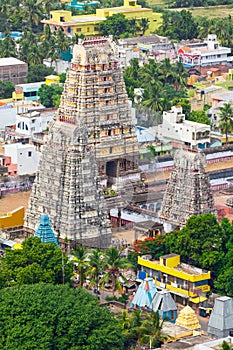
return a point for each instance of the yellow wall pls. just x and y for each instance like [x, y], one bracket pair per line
[52, 79]
[173, 261]
[154, 265]
[57, 14]
[12, 219]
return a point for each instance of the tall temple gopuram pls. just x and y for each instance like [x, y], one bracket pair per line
[91, 143]
[95, 94]
[188, 190]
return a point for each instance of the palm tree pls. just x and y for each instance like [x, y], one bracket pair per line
[179, 75]
[82, 263]
[114, 262]
[144, 24]
[62, 41]
[7, 47]
[97, 263]
[226, 119]
[33, 11]
[226, 346]
[151, 330]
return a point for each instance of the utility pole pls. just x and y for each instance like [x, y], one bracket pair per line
[63, 270]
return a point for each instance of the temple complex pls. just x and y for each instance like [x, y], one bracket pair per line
[91, 144]
[188, 190]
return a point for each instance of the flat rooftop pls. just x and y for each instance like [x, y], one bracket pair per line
[182, 267]
[10, 61]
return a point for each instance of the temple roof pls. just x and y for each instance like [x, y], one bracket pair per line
[188, 319]
[222, 315]
[163, 301]
[145, 293]
[44, 231]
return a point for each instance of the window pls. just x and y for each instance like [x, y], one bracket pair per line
[29, 153]
[78, 30]
[62, 19]
[88, 29]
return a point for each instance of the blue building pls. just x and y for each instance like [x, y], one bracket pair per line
[44, 231]
[74, 4]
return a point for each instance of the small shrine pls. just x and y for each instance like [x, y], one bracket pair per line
[145, 294]
[188, 319]
[44, 231]
[165, 305]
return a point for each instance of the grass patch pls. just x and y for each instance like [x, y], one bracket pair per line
[213, 12]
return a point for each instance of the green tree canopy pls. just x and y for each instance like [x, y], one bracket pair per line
[44, 316]
[6, 89]
[50, 95]
[36, 262]
[178, 25]
[226, 119]
[199, 117]
[38, 72]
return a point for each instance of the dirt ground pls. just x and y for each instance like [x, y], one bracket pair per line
[13, 201]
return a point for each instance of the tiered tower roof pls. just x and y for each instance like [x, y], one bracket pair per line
[44, 231]
[188, 319]
[188, 190]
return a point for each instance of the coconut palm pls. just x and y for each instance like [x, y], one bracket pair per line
[7, 46]
[151, 330]
[114, 262]
[97, 263]
[82, 263]
[144, 25]
[226, 119]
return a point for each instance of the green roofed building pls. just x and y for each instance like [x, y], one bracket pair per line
[44, 231]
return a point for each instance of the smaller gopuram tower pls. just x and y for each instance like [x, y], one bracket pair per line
[188, 190]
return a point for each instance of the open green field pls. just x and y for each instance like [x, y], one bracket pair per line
[213, 12]
[209, 12]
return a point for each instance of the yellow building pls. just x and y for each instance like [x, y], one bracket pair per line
[185, 282]
[88, 24]
[12, 219]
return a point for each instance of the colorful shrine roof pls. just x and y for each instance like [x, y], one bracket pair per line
[145, 293]
[44, 231]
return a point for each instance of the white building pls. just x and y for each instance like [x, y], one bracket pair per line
[33, 122]
[206, 53]
[25, 156]
[178, 130]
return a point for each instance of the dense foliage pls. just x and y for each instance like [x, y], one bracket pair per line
[43, 317]
[161, 84]
[38, 73]
[195, 3]
[50, 95]
[119, 26]
[178, 25]
[6, 89]
[36, 262]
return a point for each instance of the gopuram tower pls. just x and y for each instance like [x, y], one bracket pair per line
[67, 188]
[188, 190]
[95, 95]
